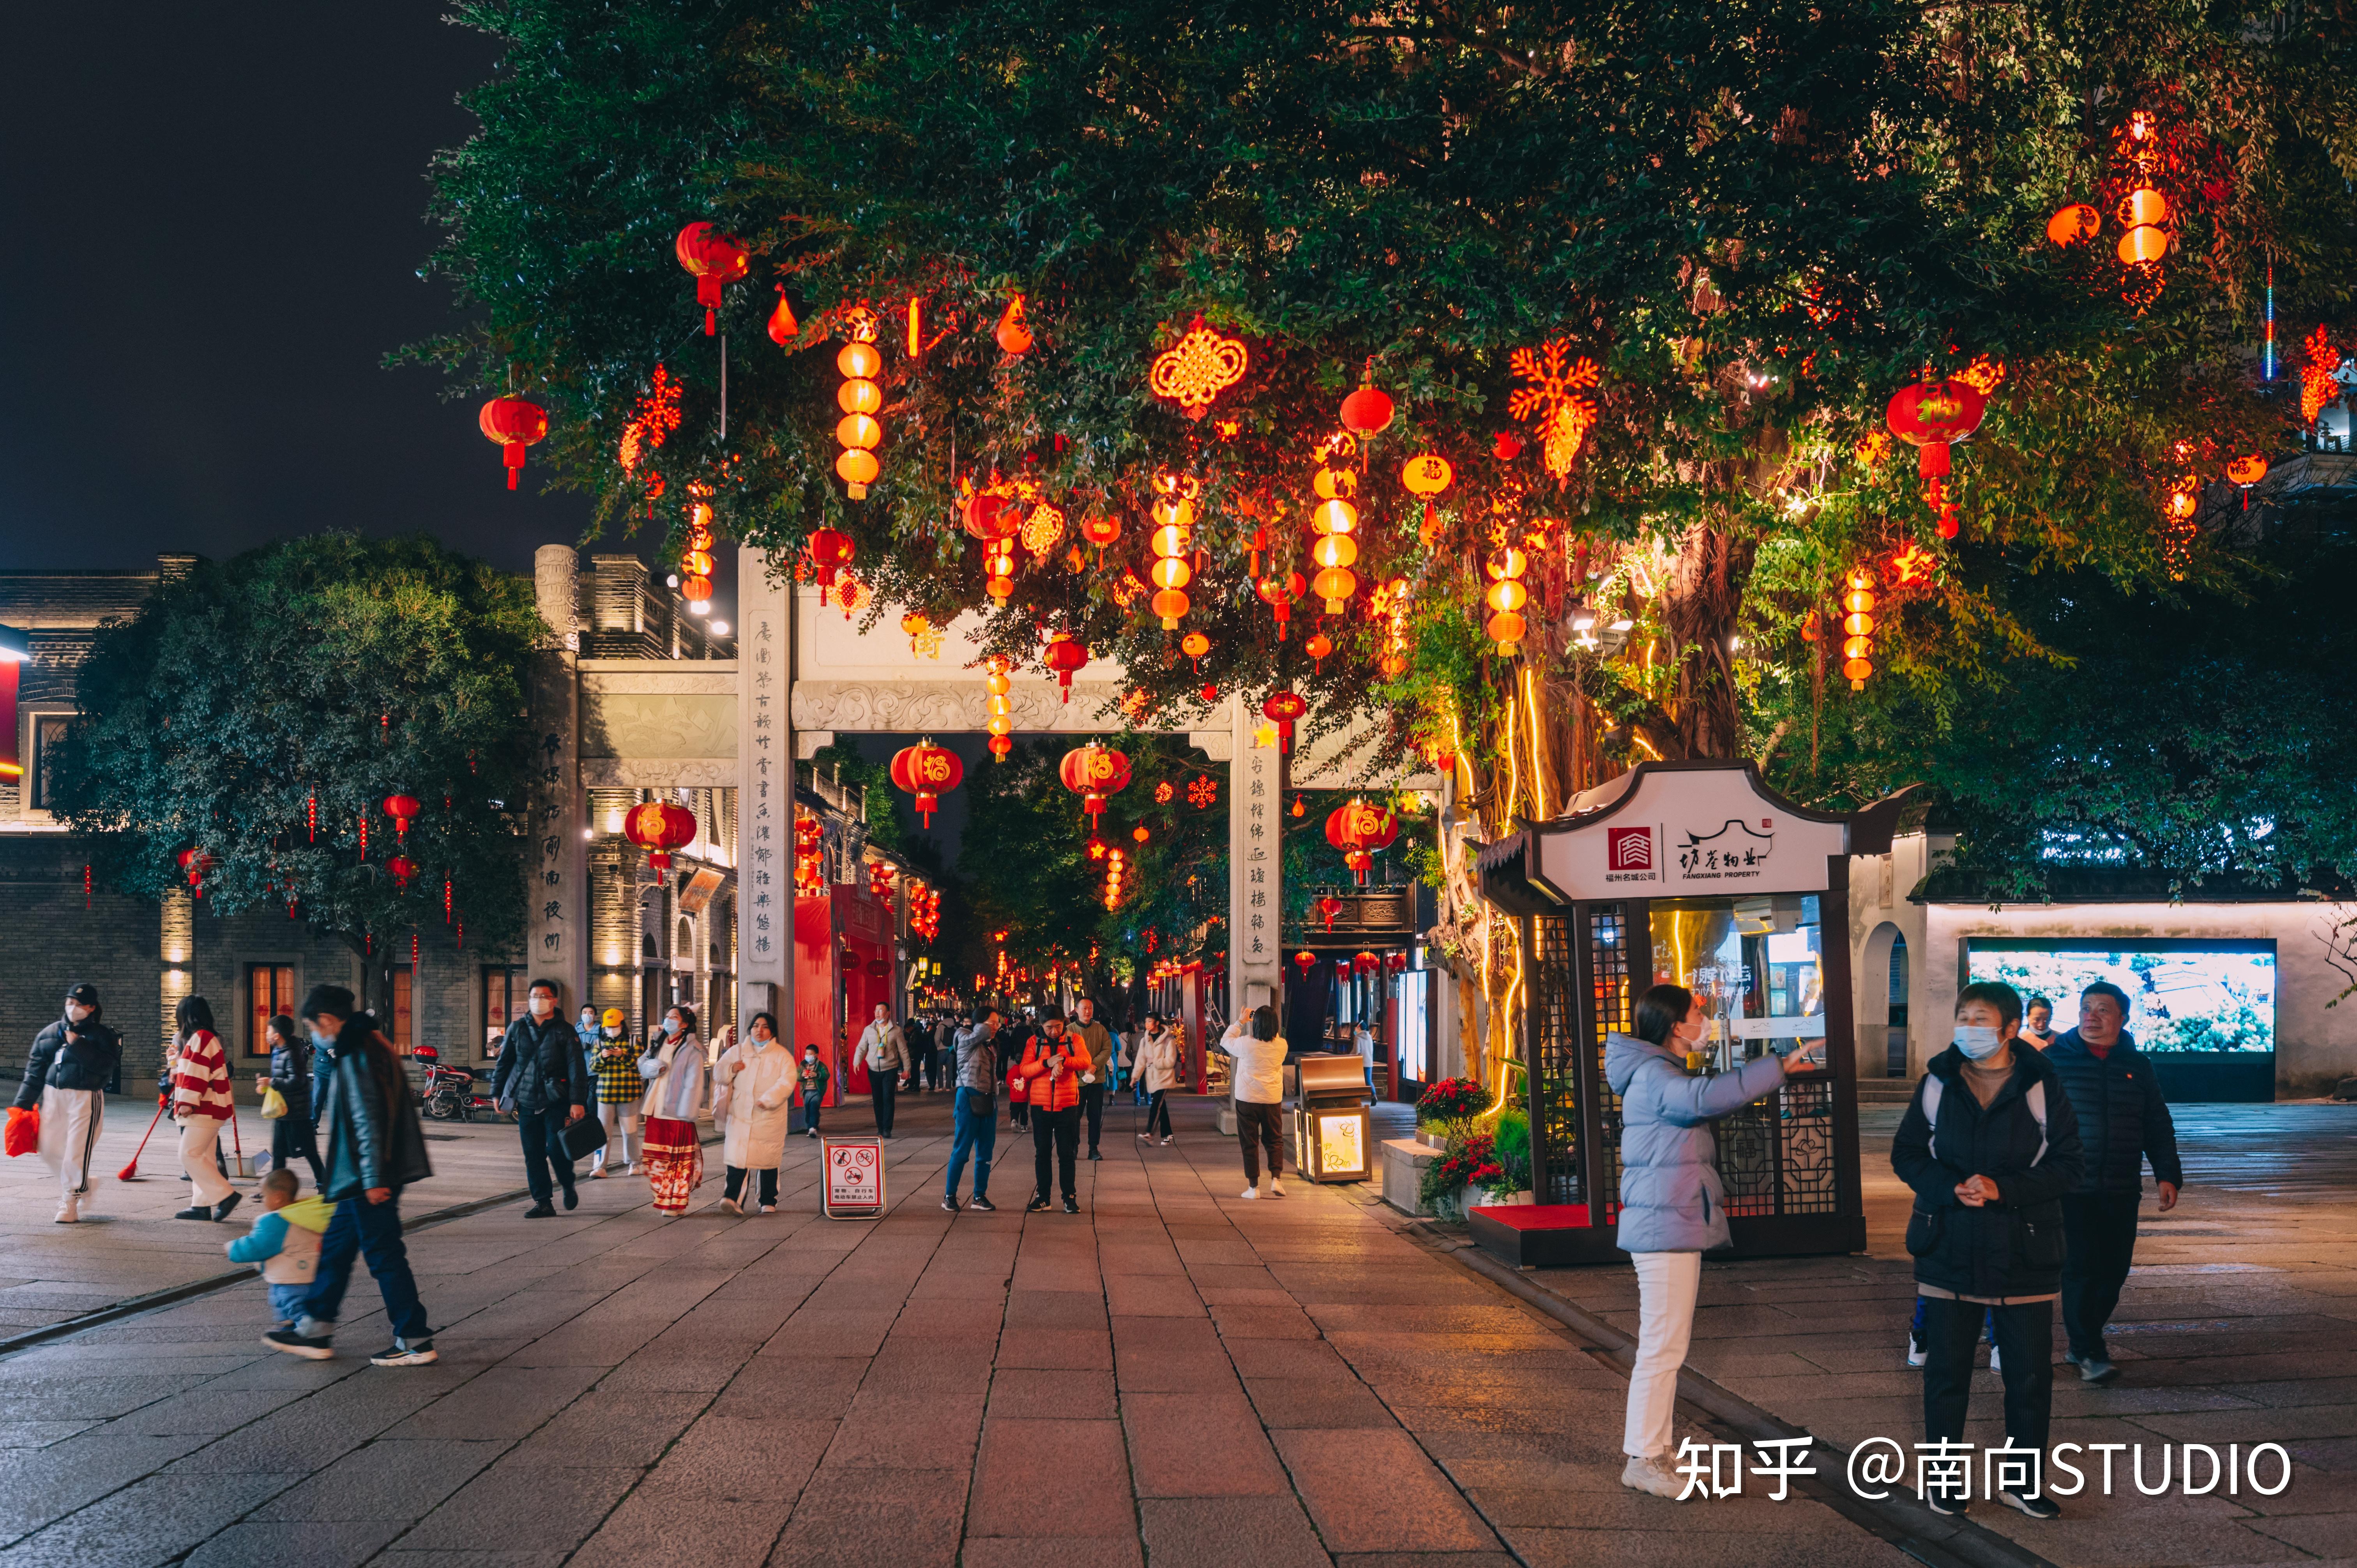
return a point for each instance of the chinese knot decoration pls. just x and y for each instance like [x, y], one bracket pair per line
[716, 260]
[1196, 370]
[1554, 403]
[928, 772]
[515, 425]
[658, 827]
[1933, 416]
[1093, 772]
[1359, 831]
[859, 397]
[1285, 707]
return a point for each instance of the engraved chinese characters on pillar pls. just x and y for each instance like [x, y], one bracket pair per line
[1255, 859]
[556, 908]
[764, 775]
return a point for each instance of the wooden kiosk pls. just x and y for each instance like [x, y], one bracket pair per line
[1693, 873]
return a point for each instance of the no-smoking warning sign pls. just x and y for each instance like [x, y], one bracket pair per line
[854, 1177]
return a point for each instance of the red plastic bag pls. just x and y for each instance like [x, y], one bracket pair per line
[24, 1134]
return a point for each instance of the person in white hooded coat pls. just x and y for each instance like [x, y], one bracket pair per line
[755, 1096]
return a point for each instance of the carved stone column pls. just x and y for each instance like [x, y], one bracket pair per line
[765, 792]
[1255, 863]
[556, 901]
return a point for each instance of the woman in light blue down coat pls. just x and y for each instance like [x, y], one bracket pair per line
[1673, 1204]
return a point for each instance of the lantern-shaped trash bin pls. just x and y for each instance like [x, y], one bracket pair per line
[1333, 1130]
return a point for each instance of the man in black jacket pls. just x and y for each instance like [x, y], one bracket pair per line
[2124, 1122]
[1990, 1146]
[544, 1077]
[375, 1147]
[65, 1081]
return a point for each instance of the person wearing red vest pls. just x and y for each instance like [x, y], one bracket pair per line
[1049, 1071]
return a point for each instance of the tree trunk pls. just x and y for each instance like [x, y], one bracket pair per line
[1698, 609]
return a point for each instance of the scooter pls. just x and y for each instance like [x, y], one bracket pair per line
[451, 1093]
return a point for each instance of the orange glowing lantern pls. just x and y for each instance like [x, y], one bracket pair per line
[1013, 333]
[1858, 630]
[1279, 593]
[2074, 225]
[1093, 772]
[1931, 416]
[1506, 596]
[1172, 539]
[858, 431]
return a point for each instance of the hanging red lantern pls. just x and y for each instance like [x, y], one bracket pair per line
[196, 862]
[1284, 707]
[1368, 410]
[401, 809]
[402, 869]
[1013, 333]
[1360, 830]
[783, 327]
[1319, 645]
[1507, 446]
[1066, 655]
[515, 424]
[1093, 772]
[830, 551]
[1279, 593]
[1101, 529]
[716, 260]
[928, 772]
[1933, 416]
[658, 827]
[1327, 907]
[1307, 961]
[2245, 472]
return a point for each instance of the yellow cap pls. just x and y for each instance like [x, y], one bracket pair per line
[614, 1018]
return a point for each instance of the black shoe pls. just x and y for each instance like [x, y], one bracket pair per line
[1954, 1504]
[406, 1353]
[198, 1212]
[1039, 1201]
[221, 1209]
[1070, 1207]
[978, 1201]
[311, 1349]
[571, 1199]
[2039, 1507]
[540, 1211]
[950, 1205]
[1094, 1155]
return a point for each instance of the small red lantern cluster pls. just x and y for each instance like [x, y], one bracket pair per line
[658, 827]
[928, 772]
[810, 862]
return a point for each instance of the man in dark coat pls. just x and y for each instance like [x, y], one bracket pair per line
[2124, 1122]
[544, 1077]
[375, 1148]
[1989, 1145]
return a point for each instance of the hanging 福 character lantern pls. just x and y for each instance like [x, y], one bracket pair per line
[830, 551]
[859, 397]
[658, 827]
[1360, 830]
[1555, 403]
[1284, 707]
[515, 424]
[1335, 520]
[1278, 591]
[1931, 416]
[1101, 529]
[2244, 472]
[1194, 644]
[928, 772]
[1065, 656]
[2074, 225]
[1426, 477]
[1172, 540]
[715, 260]
[1093, 772]
[1858, 628]
[1196, 369]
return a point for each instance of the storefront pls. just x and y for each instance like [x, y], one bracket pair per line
[1695, 875]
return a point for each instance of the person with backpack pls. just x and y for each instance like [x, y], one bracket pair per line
[810, 1085]
[976, 1115]
[65, 1085]
[1989, 1143]
[544, 1077]
[376, 1147]
[2124, 1122]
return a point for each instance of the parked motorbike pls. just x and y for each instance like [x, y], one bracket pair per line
[452, 1093]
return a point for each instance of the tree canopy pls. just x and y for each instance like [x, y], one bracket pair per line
[304, 683]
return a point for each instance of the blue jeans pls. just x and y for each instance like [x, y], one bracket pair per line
[978, 1134]
[373, 1230]
[286, 1302]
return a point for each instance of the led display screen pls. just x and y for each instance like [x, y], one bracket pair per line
[2183, 996]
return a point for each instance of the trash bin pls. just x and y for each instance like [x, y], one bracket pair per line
[1333, 1130]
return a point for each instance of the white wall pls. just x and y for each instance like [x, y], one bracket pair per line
[1878, 886]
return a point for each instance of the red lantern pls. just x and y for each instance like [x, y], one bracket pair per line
[1367, 411]
[990, 516]
[1066, 655]
[196, 862]
[783, 327]
[1093, 772]
[2246, 472]
[1307, 960]
[402, 869]
[716, 260]
[1278, 593]
[658, 827]
[1285, 707]
[1100, 529]
[401, 809]
[1359, 830]
[928, 772]
[831, 550]
[1507, 447]
[1933, 416]
[515, 425]
[1327, 907]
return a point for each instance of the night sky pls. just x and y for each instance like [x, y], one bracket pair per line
[218, 215]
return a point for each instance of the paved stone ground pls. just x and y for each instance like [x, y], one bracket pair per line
[128, 1244]
[2239, 1324]
[1175, 1373]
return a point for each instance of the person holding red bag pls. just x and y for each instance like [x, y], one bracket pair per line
[64, 1096]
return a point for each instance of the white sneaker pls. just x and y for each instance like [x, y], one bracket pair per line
[68, 1214]
[1276, 1190]
[1651, 1473]
[730, 1206]
[1995, 1365]
[1165, 1143]
[1251, 1192]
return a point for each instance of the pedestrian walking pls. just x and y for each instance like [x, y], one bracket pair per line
[376, 1148]
[1141, 1045]
[674, 1070]
[1990, 1143]
[1257, 1082]
[2122, 1124]
[752, 1094]
[65, 1085]
[1102, 1056]
[919, 1031]
[285, 1241]
[809, 1084]
[1051, 1070]
[294, 1132]
[1156, 1069]
[543, 1079]
[1673, 1204]
[614, 1063]
[884, 1052]
[973, 1110]
[202, 1106]
[585, 1027]
[1019, 1035]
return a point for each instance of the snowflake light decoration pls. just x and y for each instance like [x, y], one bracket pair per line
[1551, 402]
[1203, 792]
[1162, 793]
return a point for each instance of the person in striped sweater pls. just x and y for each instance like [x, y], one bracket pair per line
[202, 1105]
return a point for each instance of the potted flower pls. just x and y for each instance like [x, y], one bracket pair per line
[1450, 1108]
[1444, 1181]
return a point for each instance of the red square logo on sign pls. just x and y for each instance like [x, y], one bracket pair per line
[1629, 849]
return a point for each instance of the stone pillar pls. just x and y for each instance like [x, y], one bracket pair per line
[765, 791]
[178, 948]
[556, 901]
[1255, 863]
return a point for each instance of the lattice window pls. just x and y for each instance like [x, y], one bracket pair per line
[1555, 1090]
[1610, 1003]
[1777, 1156]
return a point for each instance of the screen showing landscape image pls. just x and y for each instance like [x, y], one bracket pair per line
[2182, 996]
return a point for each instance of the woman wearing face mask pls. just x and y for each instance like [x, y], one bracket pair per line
[1673, 1204]
[811, 1084]
[756, 1083]
[619, 1088]
[65, 1081]
[674, 1070]
[202, 1105]
[1990, 1145]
